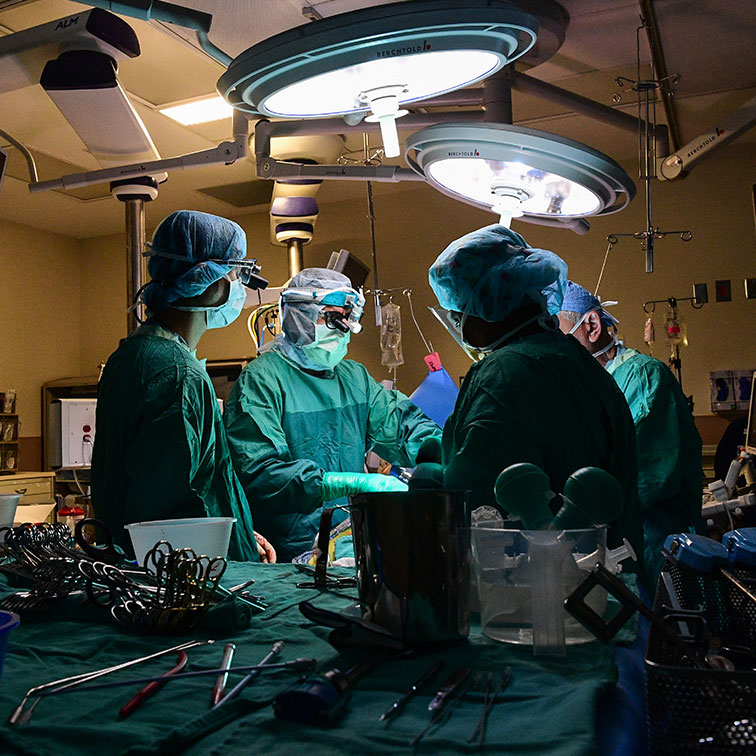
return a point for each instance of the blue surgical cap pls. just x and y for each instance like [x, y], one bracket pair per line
[491, 272]
[578, 299]
[181, 245]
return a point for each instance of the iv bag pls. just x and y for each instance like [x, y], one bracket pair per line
[649, 334]
[674, 328]
[391, 335]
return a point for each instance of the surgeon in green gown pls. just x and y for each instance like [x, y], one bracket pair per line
[534, 395]
[160, 449]
[670, 479]
[301, 417]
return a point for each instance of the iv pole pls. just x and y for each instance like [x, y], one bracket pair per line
[673, 331]
[646, 90]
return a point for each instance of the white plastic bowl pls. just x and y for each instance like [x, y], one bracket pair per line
[8, 504]
[205, 535]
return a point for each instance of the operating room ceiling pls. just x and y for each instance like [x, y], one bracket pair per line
[708, 42]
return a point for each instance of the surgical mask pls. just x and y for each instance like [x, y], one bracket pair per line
[483, 351]
[612, 343]
[228, 312]
[328, 348]
[604, 315]
[582, 319]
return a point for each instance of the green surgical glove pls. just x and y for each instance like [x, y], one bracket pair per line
[338, 484]
[430, 451]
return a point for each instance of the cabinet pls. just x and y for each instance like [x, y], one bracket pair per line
[38, 495]
[8, 433]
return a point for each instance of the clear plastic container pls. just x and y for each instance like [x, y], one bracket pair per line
[523, 577]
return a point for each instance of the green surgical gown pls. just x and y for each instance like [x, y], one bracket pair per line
[160, 449]
[545, 400]
[286, 427]
[669, 450]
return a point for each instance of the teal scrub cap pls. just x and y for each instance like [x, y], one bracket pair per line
[491, 272]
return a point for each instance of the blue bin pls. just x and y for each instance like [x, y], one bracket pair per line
[8, 620]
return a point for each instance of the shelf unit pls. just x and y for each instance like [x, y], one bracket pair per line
[8, 433]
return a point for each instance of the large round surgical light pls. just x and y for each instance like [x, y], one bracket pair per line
[376, 59]
[515, 171]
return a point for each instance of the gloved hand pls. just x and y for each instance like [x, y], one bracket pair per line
[265, 549]
[338, 484]
[429, 451]
[427, 475]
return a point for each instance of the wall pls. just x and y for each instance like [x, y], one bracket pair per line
[40, 308]
[715, 203]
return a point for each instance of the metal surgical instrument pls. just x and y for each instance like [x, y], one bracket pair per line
[265, 661]
[295, 664]
[397, 707]
[447, 698]
[150, 689]
[479, 731]
[21, 715]
[220, 682]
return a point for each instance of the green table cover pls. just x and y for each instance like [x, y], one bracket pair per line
[547, 710]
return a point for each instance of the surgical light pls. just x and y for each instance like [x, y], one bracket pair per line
[201, 110]
[514, 171]
[374, 60]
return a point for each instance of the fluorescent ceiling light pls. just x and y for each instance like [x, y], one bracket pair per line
[514, 171]
[203, 110]
[376, 59]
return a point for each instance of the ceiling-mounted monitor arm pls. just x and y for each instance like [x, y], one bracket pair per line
[225, 153]
[679, 163]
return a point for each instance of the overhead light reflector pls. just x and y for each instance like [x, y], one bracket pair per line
[377, 59]
[514, 171]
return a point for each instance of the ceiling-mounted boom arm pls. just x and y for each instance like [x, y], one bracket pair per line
[679, 163]
[225, 153]
[270, 168]
[170, 13]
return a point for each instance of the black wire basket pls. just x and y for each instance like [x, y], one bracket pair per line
[690, 710]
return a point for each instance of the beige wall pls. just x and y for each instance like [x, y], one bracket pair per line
[40, 315]
[63, 301]
[715, 203]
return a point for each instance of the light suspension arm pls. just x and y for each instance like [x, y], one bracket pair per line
[730, 127]
[146, 10]
[225, 152]
[270, 168]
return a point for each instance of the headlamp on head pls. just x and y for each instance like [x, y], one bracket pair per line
[338, 321]
[350, 299]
